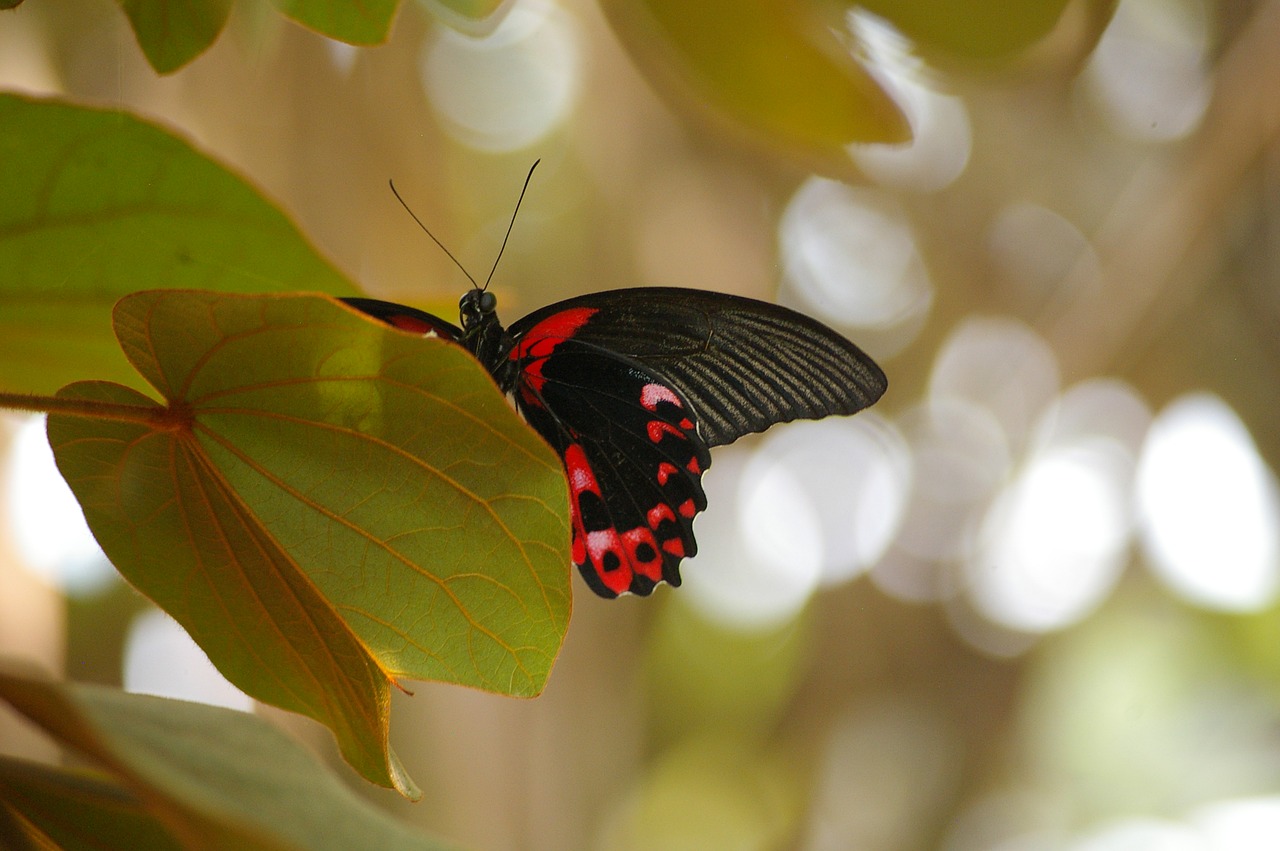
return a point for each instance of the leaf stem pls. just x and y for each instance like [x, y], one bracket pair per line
[149, 415]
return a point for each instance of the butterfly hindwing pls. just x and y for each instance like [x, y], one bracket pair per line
[632, 456]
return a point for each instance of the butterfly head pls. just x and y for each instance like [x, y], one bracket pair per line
[482, 333]
[475, 307]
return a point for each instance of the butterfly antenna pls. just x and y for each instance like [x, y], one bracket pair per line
[428, 232]
[512, 224]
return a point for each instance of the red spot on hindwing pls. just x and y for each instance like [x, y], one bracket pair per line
[666, 471]
[649, 562]
[659, 513]
[652, 394]
[657, 428]
[581, 477]
[591, 549]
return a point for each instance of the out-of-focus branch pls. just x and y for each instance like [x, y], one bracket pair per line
[1167, 221]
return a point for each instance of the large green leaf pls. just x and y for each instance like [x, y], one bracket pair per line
[172, 774]
[173, 32]
[325, 504]
[97, 204]
[774, 67]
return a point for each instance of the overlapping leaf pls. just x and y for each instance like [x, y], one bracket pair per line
[98, 204]
[978, 29]
[325, 504]
[366, 22]
[172, 34]
[172, 774]
[773, 66]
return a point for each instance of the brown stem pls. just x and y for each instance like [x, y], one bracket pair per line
[149, 415]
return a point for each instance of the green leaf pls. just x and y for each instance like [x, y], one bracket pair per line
[366, 22]
[172, 774]
[325, 504]
[772, 66]
[98, 204]
[973, 29]
[173, 32]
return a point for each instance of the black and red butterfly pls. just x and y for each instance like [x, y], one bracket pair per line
[632, 387]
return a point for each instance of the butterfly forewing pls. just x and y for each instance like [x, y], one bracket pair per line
[741, 364]
[406, 318]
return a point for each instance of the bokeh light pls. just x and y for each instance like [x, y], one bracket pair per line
[47, 522]
[1035, 249]
[1001, 366]
[850, 258]
[855, 473]
[1148, 73]
[1239, 824]
[511, 88]
[959, 458]
[1208, 505]
[1057, 538]
[1054, 542]
[161, 659]
[941, 135]
[760, 545]
[342, 55]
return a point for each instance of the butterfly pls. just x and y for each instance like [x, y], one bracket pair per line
[633, 387]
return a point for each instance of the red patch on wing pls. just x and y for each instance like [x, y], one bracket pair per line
[659, 513]
[657, 428]
[643, 554]
[652, 394]
[537, 344]
[413, 324]
[591, 548]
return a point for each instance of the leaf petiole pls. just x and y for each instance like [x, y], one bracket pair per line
[154, 416]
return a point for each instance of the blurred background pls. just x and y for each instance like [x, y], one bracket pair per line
[1027, 602]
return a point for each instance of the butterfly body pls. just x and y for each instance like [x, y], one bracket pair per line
[633, 387]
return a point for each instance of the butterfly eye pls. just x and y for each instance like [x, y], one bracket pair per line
[488, 302]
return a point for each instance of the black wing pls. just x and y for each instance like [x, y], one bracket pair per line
[406, 318]
[742, 365]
